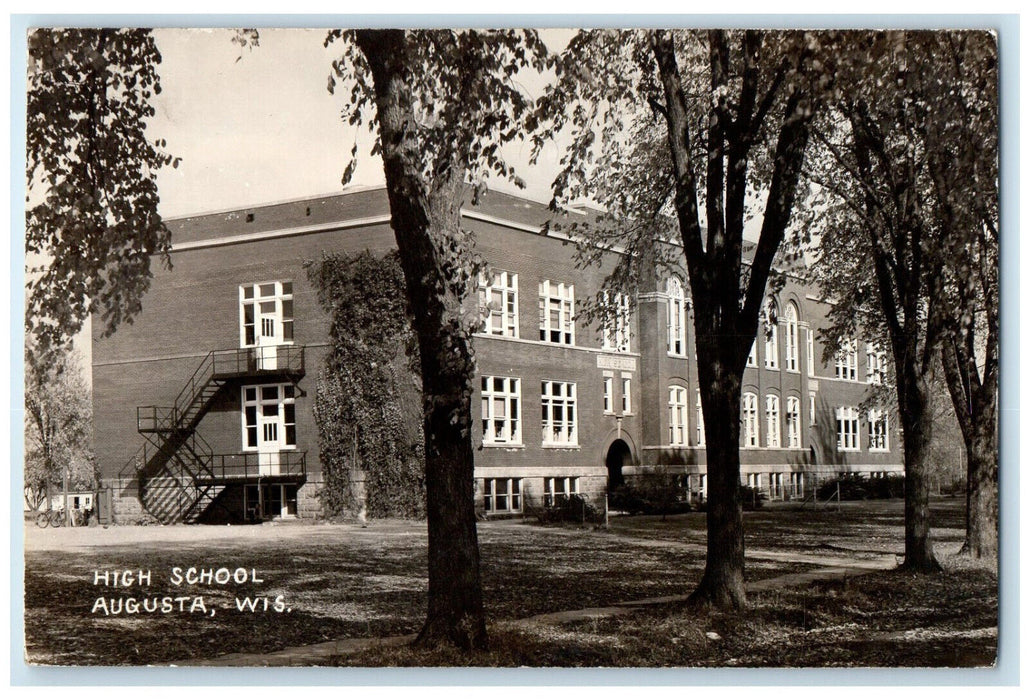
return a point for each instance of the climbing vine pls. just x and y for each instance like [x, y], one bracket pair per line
[368, 405]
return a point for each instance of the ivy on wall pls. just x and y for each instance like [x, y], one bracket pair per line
[368, 405]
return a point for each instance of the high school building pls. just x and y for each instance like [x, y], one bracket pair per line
[203, 405]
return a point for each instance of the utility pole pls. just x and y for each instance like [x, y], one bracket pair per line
[67, 510]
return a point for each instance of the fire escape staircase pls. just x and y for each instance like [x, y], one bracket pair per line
[178, 475]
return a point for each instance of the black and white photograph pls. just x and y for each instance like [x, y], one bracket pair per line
[503, 347]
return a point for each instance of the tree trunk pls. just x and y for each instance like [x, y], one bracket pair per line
[917, 421]
[982, 488]
[974, 401]
[423, 219]
[722, 584]
[982, 517]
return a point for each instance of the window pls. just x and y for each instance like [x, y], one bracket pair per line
[501, 415]
[266, 314]
[499, 304]
[846, 366]
[608, 393]
[502, 495]
[269, 417]
[749, 420]
[677, 415]
[796, 485]
[557, 302]
[776, 492]
[790, 337]
[615, 334]
[772, 351]
[627, 402]
[811, 352]
[811, 408]
[677, 317]
[875, 363]
[847, 428]
[878, 436]
[559, 486]
[793, 422]
[700, 421]
[772, 420]
[755, 481]
[752, 358]
[558, 413]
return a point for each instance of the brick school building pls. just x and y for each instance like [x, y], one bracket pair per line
[203, 405]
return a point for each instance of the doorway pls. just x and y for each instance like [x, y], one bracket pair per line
[618, 456]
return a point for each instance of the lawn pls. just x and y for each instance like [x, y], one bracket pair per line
[889, 619]
[343, 581]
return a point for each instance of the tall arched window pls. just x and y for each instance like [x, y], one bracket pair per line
[790, 340]
[793, 422]
[772, 420]
[700, 421]
[677, 415]
[677, 317]
[749, 419]
[772, 354]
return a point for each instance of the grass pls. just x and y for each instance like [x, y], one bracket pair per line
[349, 582]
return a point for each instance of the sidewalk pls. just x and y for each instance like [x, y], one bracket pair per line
[319, 654]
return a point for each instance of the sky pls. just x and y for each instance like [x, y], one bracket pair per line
[254, 126]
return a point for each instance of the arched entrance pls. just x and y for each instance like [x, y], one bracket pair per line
[619, 455]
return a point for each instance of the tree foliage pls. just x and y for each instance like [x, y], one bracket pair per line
[92, 219]
[58, 423]
[367, 406]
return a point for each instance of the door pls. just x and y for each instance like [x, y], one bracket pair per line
[269, 336]
[269, 437]
[269, 425]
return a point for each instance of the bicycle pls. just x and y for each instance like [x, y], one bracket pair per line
[48, 518]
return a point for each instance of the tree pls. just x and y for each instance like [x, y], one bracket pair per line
[444, 102]
[58, 423]
[894, 159]
[733, 112]
[962, 154]
[92, 220]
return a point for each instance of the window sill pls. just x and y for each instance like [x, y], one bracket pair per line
[506, 445]
[559, 446]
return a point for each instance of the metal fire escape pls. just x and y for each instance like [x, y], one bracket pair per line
[178, 475]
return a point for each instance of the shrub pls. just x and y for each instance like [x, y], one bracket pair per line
[890, 486]
[852, 487]
[856, 487]
[569, 509]
[649, 497]
[751, 498]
